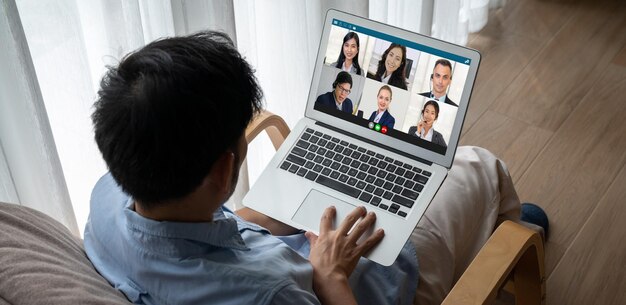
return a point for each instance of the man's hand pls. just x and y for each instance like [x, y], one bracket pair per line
[335, 253]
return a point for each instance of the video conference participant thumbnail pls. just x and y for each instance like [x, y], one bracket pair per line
[382, 115]
[424, 128]
[338, 98]
[391, 67]
[440, 81]
[349, 56]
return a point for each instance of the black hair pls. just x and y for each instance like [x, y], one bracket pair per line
[445, 63]
[342, 57]
[168, 111]
[398, 76]
[342, 78]
[435, 105]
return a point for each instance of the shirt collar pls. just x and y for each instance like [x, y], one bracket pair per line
[440, 99]
[429, 135]
[386, 79]
[337, 104]
[348, 69]
[379, 116]
[221, 232]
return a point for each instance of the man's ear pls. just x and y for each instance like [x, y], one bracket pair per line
[221, 173]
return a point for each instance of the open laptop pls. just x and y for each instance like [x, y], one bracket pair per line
[359, 156]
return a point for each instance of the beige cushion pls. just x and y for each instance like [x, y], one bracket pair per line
[41, 262]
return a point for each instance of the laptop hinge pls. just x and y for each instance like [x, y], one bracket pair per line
[383, 146]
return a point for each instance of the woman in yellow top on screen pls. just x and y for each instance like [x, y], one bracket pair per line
[424, 128]
[349, 56]
[391, 67]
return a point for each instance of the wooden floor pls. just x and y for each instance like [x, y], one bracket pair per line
[550, 99]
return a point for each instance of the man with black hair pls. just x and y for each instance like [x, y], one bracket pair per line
[338, 98]
[170, 121]
[440, 81]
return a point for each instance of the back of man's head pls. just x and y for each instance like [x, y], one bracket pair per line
[169, 110]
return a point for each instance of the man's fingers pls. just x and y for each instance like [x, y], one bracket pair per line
[350, 220]
[326, 223]
[370, 242]
[311, 237]
[362, 227]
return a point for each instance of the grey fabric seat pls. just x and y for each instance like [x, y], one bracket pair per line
[41, 262]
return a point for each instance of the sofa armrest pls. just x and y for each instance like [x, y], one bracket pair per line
[512, 252]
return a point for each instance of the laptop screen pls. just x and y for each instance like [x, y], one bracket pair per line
[405, 89]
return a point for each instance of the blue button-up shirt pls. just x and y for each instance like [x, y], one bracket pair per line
[226, 261]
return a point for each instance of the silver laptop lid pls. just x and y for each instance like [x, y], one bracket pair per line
[397, 78]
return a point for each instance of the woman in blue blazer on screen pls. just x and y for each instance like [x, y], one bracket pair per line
[382, 115]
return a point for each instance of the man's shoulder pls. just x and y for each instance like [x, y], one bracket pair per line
[450, 102]
[107, 200]
[106, 185]
[325, 98]
[426, 94]
[106, 197]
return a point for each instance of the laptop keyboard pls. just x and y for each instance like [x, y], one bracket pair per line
[371, 177]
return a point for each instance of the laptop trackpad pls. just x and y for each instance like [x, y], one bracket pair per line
[310, 212]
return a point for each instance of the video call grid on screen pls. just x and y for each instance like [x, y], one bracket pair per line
[408, 100]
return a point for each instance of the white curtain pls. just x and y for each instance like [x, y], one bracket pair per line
[31, 173]
[280, 41]
[58, 50]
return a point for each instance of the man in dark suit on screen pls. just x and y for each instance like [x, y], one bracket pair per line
[338, 98]
[441, 78]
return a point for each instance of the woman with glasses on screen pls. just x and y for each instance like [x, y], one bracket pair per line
[338, 98]
[391, 67]
[424, 128]
[349, 56]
